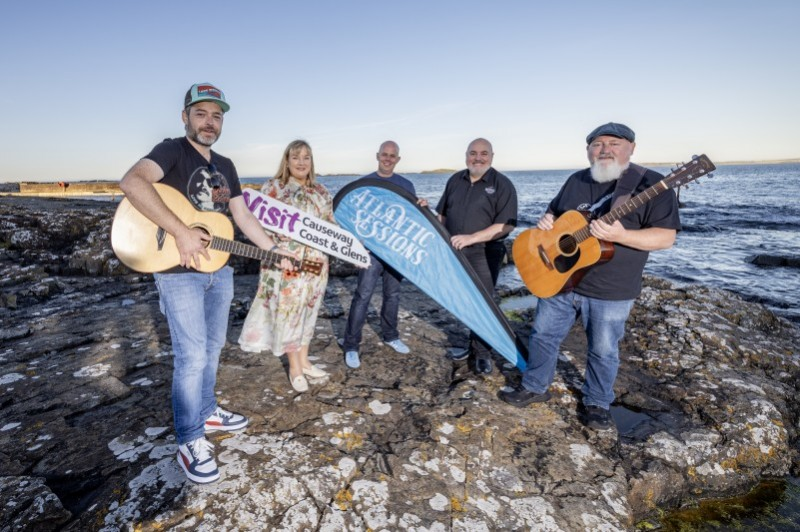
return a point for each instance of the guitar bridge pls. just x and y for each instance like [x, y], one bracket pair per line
[544, 257]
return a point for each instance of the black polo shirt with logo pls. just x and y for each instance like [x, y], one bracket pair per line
[471, 207]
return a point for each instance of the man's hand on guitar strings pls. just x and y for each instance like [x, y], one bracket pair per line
[191, 244]
[545, 223]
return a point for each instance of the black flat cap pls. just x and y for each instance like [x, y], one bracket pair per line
[612, 129]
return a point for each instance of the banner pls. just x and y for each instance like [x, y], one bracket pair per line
[305, 228]
[411, 240]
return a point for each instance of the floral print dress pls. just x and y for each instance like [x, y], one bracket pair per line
[284, 310]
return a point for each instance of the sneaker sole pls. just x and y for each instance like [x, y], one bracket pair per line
[211, 477]
[402, 352]
[226, 428]
[457, 354]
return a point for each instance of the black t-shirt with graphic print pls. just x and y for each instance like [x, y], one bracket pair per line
[208, 186]
[621, 277]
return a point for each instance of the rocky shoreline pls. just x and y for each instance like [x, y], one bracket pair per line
[706, 407]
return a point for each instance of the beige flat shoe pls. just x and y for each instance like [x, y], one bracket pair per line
[314, 372]
[299, 383]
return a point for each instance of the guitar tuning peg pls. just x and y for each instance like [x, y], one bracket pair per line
[695, 157]
[711, 175]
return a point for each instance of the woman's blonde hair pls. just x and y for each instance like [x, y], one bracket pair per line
[295, 146]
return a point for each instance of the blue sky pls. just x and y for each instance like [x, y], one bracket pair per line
[93, 85]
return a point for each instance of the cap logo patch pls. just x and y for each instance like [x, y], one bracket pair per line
[208, 90]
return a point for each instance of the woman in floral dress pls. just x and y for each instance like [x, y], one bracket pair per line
[284, 310]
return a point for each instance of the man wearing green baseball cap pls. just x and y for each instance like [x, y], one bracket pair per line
[195, 303]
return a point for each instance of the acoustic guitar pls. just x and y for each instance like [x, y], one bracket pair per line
[144, 247]
[554, 261]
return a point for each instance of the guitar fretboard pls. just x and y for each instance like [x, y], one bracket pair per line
[245, 250]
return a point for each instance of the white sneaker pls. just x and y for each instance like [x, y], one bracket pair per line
[197, 462]
[399, 346]
[351, 359]
[221, 419]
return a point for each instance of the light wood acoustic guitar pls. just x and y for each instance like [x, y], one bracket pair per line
[144, 247]
[554, 261]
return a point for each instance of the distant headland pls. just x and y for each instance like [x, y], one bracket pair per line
[439, 171]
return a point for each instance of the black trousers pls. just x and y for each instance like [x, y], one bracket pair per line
[486, 260]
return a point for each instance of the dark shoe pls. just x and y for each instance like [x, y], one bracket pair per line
[597, 418]
[457, 353]
[522, 397]
[483, 366]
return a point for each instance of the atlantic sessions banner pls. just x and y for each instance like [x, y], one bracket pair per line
[305, 228]
[411, 240]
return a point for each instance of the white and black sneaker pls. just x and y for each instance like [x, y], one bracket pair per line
[221, 419]
[197, 461]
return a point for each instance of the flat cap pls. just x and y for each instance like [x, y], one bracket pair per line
[612, 129]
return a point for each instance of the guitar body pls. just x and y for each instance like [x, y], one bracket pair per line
[142, 246]
[551, 262]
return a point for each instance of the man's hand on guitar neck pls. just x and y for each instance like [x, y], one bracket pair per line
[646, 239]
[608, 232]
[288, 264]
[191, 244]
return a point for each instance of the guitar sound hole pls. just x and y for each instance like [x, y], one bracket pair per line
[567, 245]
[205, 230]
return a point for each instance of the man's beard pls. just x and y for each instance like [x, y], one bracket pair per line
[605, 172]
[202, 138]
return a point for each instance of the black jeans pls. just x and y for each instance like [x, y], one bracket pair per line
[486, 260]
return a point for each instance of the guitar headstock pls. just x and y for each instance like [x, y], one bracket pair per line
[311, 266]
[699, 166]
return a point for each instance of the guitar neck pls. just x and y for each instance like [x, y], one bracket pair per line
[634, 203]
[625, 208]
[272, 258]
[698, 167]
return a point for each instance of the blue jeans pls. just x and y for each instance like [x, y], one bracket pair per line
[196, 306]
[604, 323]
[367, 281]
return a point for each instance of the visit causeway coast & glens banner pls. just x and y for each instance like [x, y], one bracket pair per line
[303, 227]
[411, 240]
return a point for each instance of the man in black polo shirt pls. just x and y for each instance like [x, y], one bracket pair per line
[479, 208]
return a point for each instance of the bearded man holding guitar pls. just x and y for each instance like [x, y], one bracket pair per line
[196, 300]
[602, 294]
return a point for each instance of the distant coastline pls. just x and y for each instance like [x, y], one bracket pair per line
[111, 188]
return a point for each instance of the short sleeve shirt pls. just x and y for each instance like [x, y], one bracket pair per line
[471, 207]
[209, 186]
[621, 277]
